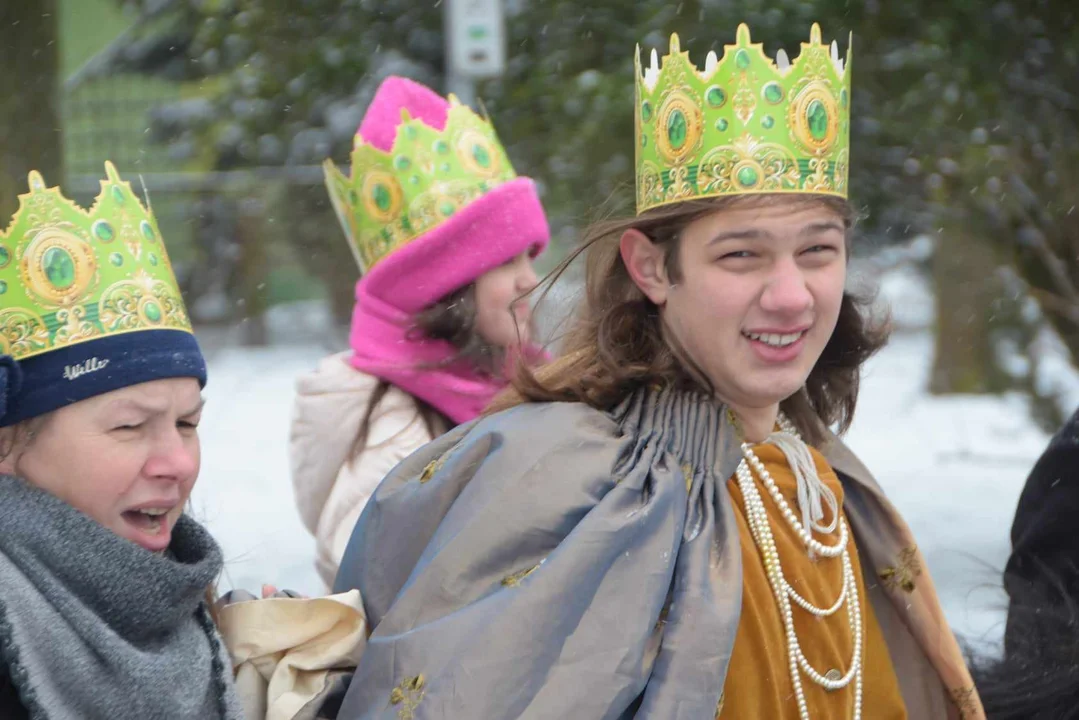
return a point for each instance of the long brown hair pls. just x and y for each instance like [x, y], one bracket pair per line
[617, 342]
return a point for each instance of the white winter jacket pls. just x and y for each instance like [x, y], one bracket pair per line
[331, 477]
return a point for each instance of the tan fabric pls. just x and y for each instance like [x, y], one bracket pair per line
[333, 479]
[758, 683]
[284, 650]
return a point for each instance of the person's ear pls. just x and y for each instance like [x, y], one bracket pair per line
[644, 260]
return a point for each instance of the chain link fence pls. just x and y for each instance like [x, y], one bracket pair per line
[240, 240]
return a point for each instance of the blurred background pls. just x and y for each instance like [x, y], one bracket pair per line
[965, 165]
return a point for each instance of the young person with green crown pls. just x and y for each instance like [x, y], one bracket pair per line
[662, 523]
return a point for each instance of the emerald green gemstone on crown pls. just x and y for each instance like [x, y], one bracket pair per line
[5, 257]
[381, 195]
[646, 111]
[116, 259]
[415, 179]
[117, 194]
[103, 231]
[147, 230]
[843, 99]
[446, 167]
[715, 96]
[741, 59]
[768, 122]
[410, 132]
[353, 197]
[152, 312]
[401, 162]
[747, 177]
[441, 147]
[59, 268]
[773, 93]
[644, 141]
[481, 156]
[817, 118]
[677, 129]
[446, 209]
[722, 124]
[3, 287]
[153, 259]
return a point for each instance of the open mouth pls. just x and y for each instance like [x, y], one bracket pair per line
[776, 340]
[151, 521]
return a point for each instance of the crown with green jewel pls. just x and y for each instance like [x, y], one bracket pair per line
[428, 176]
[69, 275]
[745, 124]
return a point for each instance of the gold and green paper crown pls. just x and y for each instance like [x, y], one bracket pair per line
[428, 176]
[68, 275]
[743, 124]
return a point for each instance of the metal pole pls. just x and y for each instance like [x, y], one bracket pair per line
[461, 86]
[304, 175]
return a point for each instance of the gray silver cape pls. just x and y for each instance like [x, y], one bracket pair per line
[556, 561]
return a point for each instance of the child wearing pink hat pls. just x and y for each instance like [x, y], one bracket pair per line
[444, 233]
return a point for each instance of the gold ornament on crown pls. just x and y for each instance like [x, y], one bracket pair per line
[68, 275]
[427, 177]
[743, 124]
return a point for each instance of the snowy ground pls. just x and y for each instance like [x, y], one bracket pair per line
[953, 466]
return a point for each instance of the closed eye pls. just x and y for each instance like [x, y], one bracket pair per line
[187, 424]
[737, 255]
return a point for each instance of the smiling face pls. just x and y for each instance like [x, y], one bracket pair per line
[128, 459]
[755, 296]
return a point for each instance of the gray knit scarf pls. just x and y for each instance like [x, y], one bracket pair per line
[94, 626]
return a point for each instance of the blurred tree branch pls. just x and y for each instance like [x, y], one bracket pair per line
[30, 136]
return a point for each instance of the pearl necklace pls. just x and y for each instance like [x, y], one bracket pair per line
[757, 518]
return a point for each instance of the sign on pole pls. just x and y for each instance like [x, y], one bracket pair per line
[475, 38]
